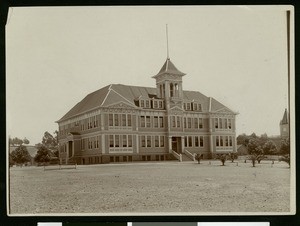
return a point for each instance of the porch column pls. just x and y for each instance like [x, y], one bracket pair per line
[182, 144]
[170, 144]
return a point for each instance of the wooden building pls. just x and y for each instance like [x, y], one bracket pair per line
[121, 123]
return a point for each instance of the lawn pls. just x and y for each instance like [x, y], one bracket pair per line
[137, 188]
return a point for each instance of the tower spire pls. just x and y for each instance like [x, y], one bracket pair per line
[167, 42]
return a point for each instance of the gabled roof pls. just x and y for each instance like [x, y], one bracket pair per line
[169, 68]
[115, 93]
[285, 119]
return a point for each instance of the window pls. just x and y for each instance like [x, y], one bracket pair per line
[116, 118]
[142, 103]
[185, 141]
[230, 141]
[161, 121]
[226, 141]
[194, 107]
[149, 141]
[97, 143]
[199, 107]
[184, 106]
[128, 120]
[184, 122]
[142, 121]
[171, 90]
[148, 122]
[156, 140]
[147, 104]
[155, 104]
[124, 141]
[143, 141]
[200, 123]
[221, 141]
[188, 106]
[225, 121]
[229, 123]
[156, 121]
[220, 123]
[196, 123]
[129, 141]
[111, 140]
[189, 122]
[161, 104]
[201, 141]
[216, 123]
[178, 121]
[217, 141]
[173, 121]
[190, 141]
[110, 119]
[123, 119]
[162, 141]
[196, 141]
[117, 141]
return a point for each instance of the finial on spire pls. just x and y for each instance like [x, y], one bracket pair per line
[167, 42]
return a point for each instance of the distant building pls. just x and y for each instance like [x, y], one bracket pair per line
[284, 125]
[120, 123]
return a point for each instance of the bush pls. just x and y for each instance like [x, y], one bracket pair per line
[198, 157]
[222, 158]
[286, 158]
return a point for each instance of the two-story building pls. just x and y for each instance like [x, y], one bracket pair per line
[121, 123]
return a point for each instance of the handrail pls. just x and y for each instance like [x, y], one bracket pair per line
[190, 155]
[178, 156]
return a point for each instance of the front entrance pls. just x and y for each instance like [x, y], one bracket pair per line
[70, 148]
[176, 144]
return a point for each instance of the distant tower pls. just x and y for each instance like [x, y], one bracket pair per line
[284, 125]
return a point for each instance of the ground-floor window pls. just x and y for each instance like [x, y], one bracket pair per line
[223, 141]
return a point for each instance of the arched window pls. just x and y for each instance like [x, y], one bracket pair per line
[176, 90]
[171, 90]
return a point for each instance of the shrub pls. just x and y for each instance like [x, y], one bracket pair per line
[198, 157]
[222, 158]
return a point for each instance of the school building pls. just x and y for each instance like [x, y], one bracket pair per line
[122, 123]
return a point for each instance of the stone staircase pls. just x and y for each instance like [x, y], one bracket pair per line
[186, 158]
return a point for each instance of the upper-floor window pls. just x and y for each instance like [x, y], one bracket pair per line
[119, 120]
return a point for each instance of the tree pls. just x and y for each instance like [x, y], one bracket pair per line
[285, 151]
[255, 150]
[26, 141]
[20, 155]
[233, 156]
[269, 147]
[242, 139]
[17, 141]
[198, 157]
[285, 147]
[222, 158]
[43, 155]
[49, 141]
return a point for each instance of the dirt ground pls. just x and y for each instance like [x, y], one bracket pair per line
[169, 187]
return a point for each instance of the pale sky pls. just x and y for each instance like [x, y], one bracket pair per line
[55, 56]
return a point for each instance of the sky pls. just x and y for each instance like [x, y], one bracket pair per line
[55, 56]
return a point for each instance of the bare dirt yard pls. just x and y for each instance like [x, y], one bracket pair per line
[153, 187]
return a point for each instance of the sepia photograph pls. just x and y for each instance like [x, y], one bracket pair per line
[150, 110]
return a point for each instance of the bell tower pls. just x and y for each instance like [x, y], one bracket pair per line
[169, 84]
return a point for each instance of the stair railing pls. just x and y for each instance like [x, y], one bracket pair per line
[189, 154]
[177, 156]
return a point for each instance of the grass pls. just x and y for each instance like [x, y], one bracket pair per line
[169, 187]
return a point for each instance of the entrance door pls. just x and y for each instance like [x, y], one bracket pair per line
[70, 149]
[176, 144]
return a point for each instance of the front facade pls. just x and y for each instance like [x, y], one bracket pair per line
[121, 123]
